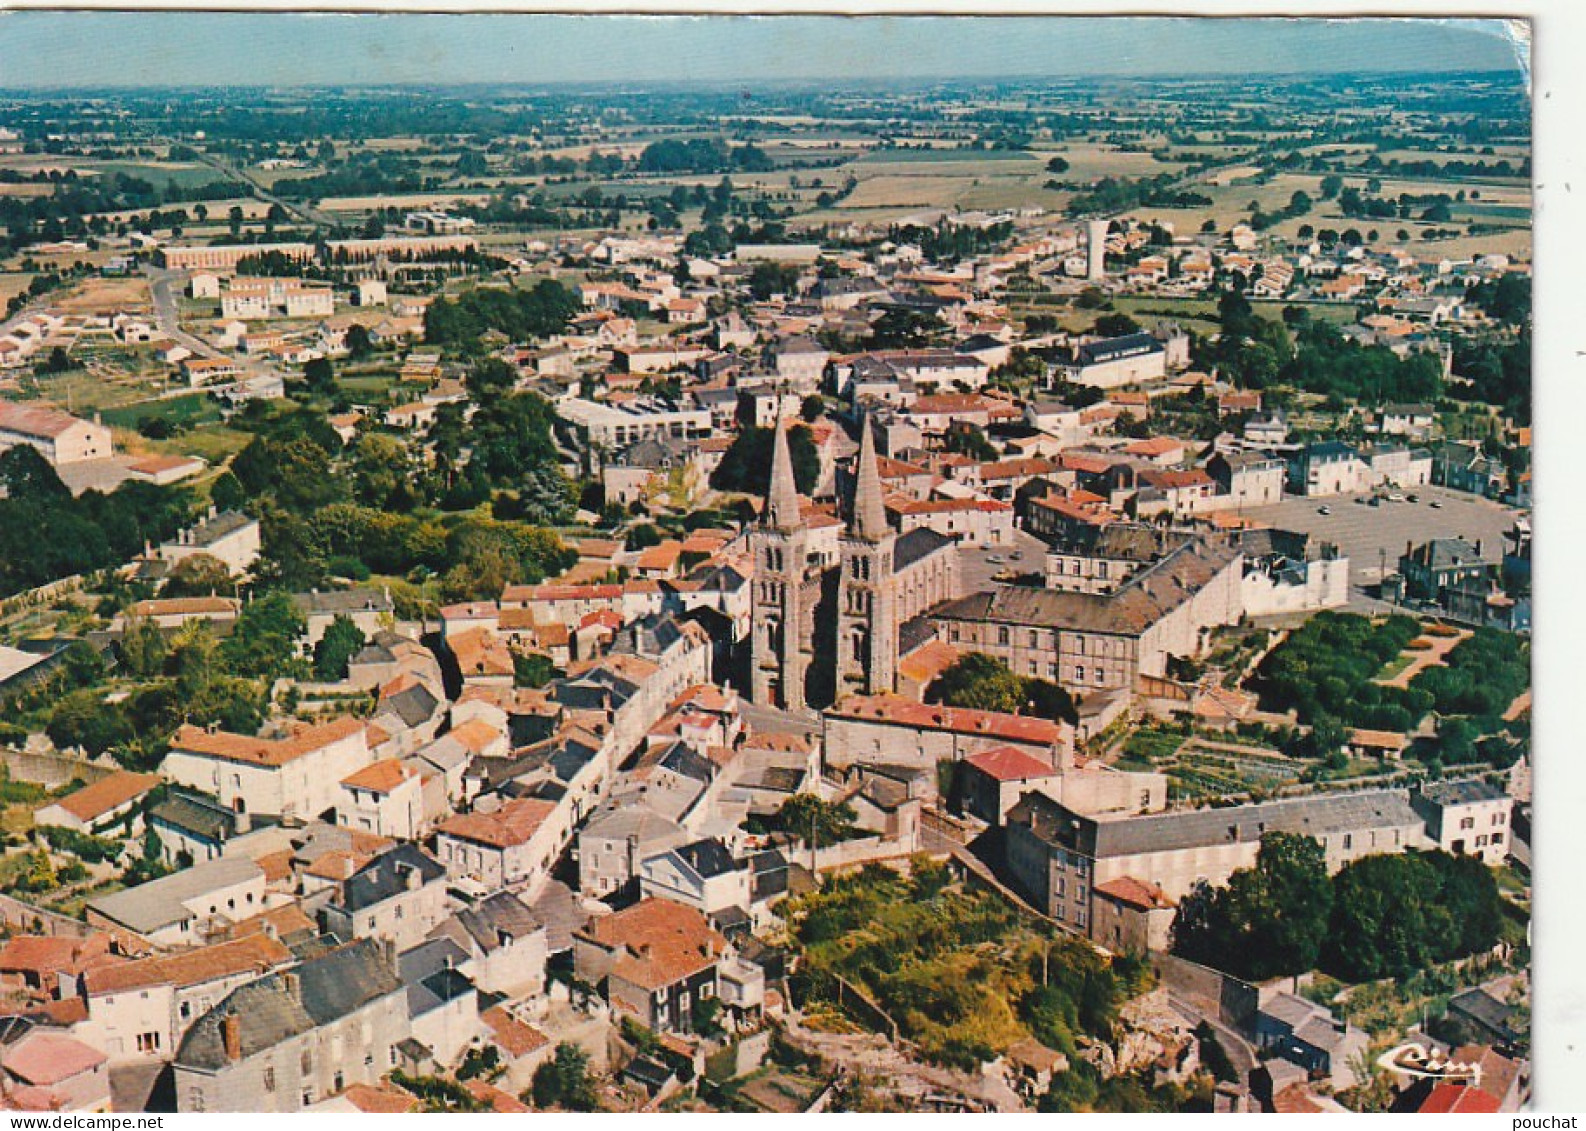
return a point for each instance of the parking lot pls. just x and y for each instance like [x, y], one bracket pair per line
[1374, 536]
[980, 564]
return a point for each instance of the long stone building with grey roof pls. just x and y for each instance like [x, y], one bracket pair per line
[1090, 642]
[1059, 856]
[292, 1038]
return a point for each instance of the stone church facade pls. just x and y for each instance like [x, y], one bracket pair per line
[822, 633]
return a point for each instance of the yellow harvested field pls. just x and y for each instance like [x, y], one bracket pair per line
[1091, 161]
[96, 295]
[13, 284]
[410, 200]
[28, 190]
[1237, 173]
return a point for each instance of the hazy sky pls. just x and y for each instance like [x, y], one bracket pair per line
[54, 49]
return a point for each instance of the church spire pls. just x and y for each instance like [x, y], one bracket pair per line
[869, 518]
[782, 498]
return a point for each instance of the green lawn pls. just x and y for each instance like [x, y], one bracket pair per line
[193, 409]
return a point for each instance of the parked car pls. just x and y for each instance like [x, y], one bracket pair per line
[1324, 510]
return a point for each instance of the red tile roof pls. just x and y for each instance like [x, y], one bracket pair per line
[1009, 763]
[270, 752]
[256, 953]
[509, 826]
[380, 777]
[964, 720]
[1450, 1099]
[515, 1038]
[660, 942]
[107, 794]
[380, 1100]
[45, 1058]
[1136, 893]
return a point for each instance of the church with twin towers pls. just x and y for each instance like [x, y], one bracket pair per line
[831, 615]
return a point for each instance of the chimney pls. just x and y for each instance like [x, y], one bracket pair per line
[231, 1036]
[1478, 548]
[413, 877]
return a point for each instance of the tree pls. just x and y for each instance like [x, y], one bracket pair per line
[1115, 325]
[564, 1082]
[1331, 184]
[56, 362]
[804, 815]
[746, 465]
[533, 670]
[359, 344]
[320, 376]
[84, 720]
[1270, 919]
[143, 648]
[263, 641]
[812, 408]
[1057, 165]
[981, 682]
[198, 575]
[342, 641]
[902, 327]
[769, 279]
[25, 474]
[380, 465]
[226, 493]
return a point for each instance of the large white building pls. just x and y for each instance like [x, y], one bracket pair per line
[57, 436]
[616, 426]
[250, 299]
[227, 536]
[298, 776]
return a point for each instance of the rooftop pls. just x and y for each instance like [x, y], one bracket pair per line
[281, 1006]
[512, 824]
[107, 794]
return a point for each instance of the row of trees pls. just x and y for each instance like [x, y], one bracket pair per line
[522, 315]
[1380, 916]
[47, 534]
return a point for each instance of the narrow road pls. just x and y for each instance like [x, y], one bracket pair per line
[304, 212]
[1239, 1050]
[163, 287]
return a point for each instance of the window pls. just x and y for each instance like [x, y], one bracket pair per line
[1481, 840]
[186, 1010]
[1079, 675]
[1467, 822]
[148, 1042]
[1349, 841]
[1002, 634]
[1497, 838]
[269, 1079]
[707, 991]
